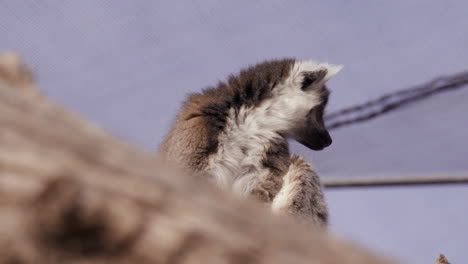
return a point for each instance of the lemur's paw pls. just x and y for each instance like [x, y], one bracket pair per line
[300, 162]
[298, 167]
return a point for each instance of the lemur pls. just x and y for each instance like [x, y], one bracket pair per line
[237, 134]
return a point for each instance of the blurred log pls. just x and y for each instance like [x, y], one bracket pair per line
[14, 73]
[69, 193]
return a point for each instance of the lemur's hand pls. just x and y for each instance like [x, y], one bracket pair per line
[301, 193]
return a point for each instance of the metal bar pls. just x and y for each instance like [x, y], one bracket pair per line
[343, 182]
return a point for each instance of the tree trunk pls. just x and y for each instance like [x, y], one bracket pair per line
[69, 193]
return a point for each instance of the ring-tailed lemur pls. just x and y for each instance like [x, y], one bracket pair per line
[236, 133]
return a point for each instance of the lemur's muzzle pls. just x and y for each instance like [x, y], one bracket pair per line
[314, 138]
[325, 140]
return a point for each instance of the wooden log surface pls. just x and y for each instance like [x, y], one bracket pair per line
[70, 193]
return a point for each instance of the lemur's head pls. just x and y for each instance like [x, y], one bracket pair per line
[289, 96]
[305, 96]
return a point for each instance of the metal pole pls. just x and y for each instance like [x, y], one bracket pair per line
[344, 182]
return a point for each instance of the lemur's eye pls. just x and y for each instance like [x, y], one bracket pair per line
[313, 77]
[308, 81]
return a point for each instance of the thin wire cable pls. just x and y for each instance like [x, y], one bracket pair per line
[386, 104]
[410, 180]
[393, 101]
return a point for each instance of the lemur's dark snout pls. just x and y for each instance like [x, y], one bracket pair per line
[322, 140]
[315, 139]
[326, 139]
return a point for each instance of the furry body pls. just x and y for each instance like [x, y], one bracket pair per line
[236, 134]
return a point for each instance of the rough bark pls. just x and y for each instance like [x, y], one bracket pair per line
[69, 193]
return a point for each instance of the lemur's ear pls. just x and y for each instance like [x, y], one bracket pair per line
[319, 76]
[313, 77]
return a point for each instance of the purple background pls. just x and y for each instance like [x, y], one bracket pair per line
[127, 65]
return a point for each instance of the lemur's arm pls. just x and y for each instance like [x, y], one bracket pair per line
[301, 193]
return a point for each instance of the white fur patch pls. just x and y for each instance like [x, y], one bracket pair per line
[237, 164]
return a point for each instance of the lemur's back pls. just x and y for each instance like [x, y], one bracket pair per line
[215, 132]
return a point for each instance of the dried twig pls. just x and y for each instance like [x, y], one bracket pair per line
[442, 260]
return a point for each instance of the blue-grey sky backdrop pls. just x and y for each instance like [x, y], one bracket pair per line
[127, 66]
